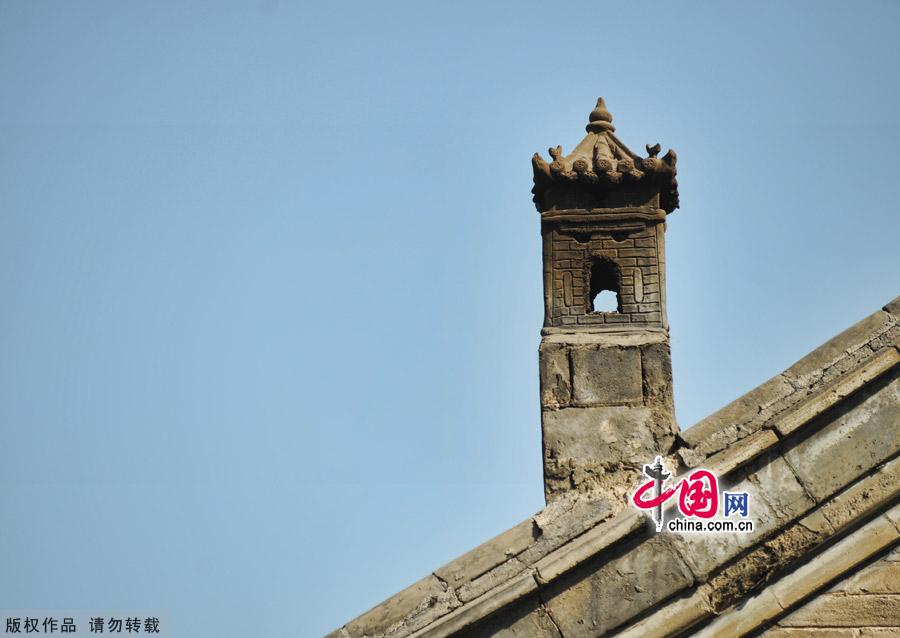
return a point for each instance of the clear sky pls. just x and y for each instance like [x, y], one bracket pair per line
[271, 282]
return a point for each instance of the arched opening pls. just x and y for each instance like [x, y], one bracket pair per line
[604, 286]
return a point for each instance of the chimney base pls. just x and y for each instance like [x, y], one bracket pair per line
[606, 410]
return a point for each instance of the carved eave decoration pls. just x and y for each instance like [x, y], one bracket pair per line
[601, 172]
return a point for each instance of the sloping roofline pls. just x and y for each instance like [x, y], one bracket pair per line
[773, 441]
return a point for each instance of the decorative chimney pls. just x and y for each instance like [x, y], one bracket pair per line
[605, 363]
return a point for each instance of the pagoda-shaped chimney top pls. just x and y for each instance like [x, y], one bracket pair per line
[601, 172]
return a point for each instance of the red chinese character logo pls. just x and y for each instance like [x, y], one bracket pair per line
[698, 493]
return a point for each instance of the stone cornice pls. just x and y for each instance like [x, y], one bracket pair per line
[606, 215]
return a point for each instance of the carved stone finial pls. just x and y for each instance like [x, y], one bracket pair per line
[600, 118]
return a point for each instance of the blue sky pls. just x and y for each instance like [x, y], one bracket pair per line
[271, 272]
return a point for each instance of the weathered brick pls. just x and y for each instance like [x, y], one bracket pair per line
[755, 612]
[555, 374]
[656, 361]
[605, 593]
[722, 427]
[427, 595]
[637, 252]
[776, 498]
[606, 376]
[880, 578]
[798, 413]
[563, 520]
[835, 610]
[893, 307]
[810, 632]
[488, 555]
[524, 619]
[849, 440]
[487, 581]
[615, 434]
[673, 618]
[810, 367]
[864, 497]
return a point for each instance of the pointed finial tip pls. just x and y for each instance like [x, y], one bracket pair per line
[600, 118]
[600, 113]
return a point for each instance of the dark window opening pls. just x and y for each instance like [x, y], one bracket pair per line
[604, 289]
[582, 238]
